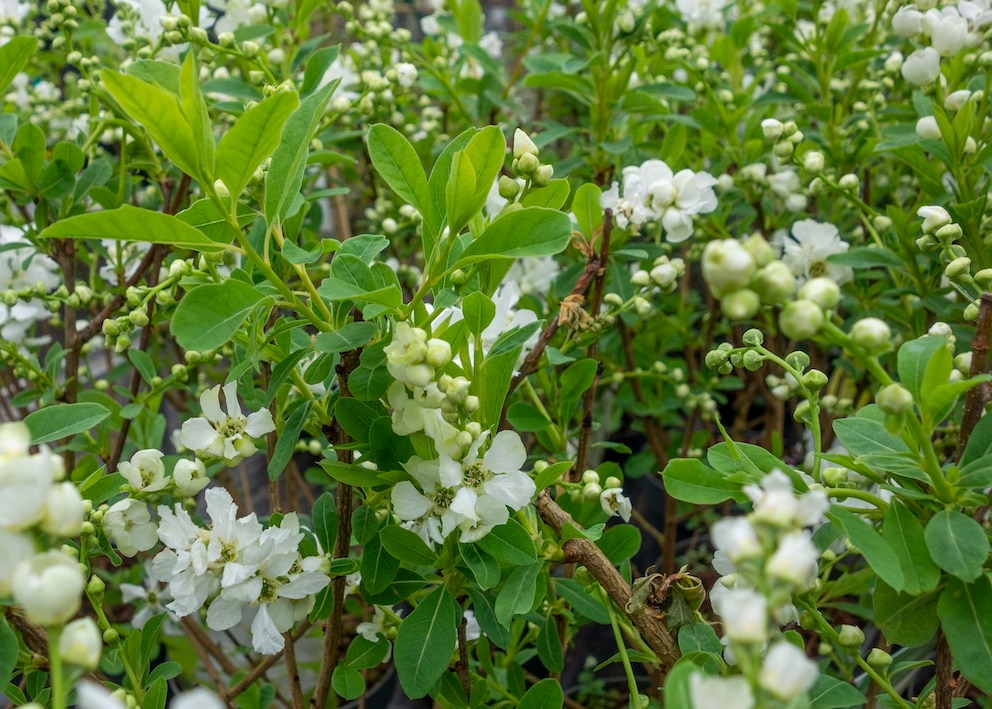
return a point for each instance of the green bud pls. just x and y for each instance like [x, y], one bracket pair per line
[801, 319]
[752, 360]
[894, 399]
[851, 636]
[814, 380]
[96, 587]
[110, 636]
[527, 164]
[138, 317]
[879, 659]
[797, 360]
[834, 476]
[753, 337]
[508, 187]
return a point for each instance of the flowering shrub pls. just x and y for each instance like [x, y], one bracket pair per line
[343, 340]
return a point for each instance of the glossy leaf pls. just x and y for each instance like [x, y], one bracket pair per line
[127, 223]
[63, 420]
[14, 56]
[958, 544]
[531, 231]
[252, 138]
[517, 595]
[904, 533]
[425, 641]
[398, 164]
[877, 552]
[325, 521]
[964, 615]
[689, 480]
[545, 694]
[208, 316]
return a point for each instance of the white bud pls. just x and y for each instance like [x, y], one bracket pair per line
[772, 128]
[81, 643]
[49, 587]
[523, 145]
[927, 128]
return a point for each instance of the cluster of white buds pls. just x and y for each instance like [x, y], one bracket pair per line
[526, 164]
[940, 233]
[785, 136]
[425, 399]
[664, 274]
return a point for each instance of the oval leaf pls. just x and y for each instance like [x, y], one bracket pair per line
[63, 420]
[531, 231]
[127, 223]
[252, 138]
[425, 641]
[957, 544]
[208, 316]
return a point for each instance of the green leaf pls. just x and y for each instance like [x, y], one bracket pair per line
[406, 545]
[252, 138]
[958, 544]
[484, 567]
[877, 552]
[553, 195]
[524, 416]
[398, 164]
[156, 693]
[478, 310]
[156, 73]
[581, 602]
[379, 567]
[517, 595]
[325, 521]
[317, 65]
[350, 279]
[699, 637]
[8, 648]
[425, 641]
[905, 619]
[545, 694]
[977, 473]
[288, 438]
[549, 645]
[587, 209]
[677, 693]
[487, 152]
[208, 218]
[863, 436]
[161, 113]
[979, 443]
[485, 613]
[509, 544]
[531, 231]
[371, 379]
[208, 316]
[14, 56]
[831, 693]
[195, 109]
[573, 383]
[904, 533]
[620, 542]
[127, 223]
[964, 615]
[63, 420]
[459, 193]
[364, 654]
[689, 480]
[355, 417]
[913, 361]
[347, 338]
[347, 682]
[285, 175]
[433, 208]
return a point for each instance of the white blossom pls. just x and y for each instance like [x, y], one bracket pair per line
[711, 692]
[614, 502]
[49, 586]
[786, 671]
[225, 435]
[145, 471]
[807, 249]
[128, 524]
[745, 616]
[921, 67]
[794, 560]
[81, 643]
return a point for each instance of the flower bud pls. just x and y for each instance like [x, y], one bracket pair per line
[727, 265]
[740, 304]
[823, 291]
[851, 636]
[958, 267]
[523, 145]
[590, 476]
[775, 283]
[48, 586]
[927, 128]
[813, 162]
[438, 352]
[508, 187]
[753, 337]
[772, 128]
[848, 182]
[543, 175]
[879, 659]
[872, 335]
[814, 380]
[834, 476]
[527, 164]
[801, 319]
[63, 510]
[641, 278]
[894, 399]
[81, 643]
[934, 217]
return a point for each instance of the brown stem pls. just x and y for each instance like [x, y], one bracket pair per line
[260, 669]
[333, 627]
[294, 673]
[944, 687]
[197, 635]
[65, 255]
[583, 551]
[463, 666]
[974, 403]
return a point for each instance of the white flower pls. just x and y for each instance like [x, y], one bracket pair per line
[745, 616]
[934, 217]
[225, 435]
[949, 35]
[81, 643]
[807, 250]
[14, 548]
[614, 502]
[145, 471]
[736, 538]
[921, 67]
[710, 692]
[24, 484]
[90, 695]
[190, 477]
[23, 268]
[786, 671]
[907, 22]
[199, 698]
[128, 525]
[63, 510]
[49, 586]
[794, 560]
[653, 191]
[150, 597]
[406, 74]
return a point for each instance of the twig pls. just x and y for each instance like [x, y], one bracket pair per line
[293, 671]
[974, 403]
[943, 686]
[583, 551]
[463, 666]
[259, 669]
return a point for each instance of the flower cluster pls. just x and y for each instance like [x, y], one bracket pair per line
[24, 274]
[949, 30]
[34, 500]
[764, 558]
[236, 563]
[747, 274]
[652, 192]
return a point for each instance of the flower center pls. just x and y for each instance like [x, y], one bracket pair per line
[233, 426]
[474, 475]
